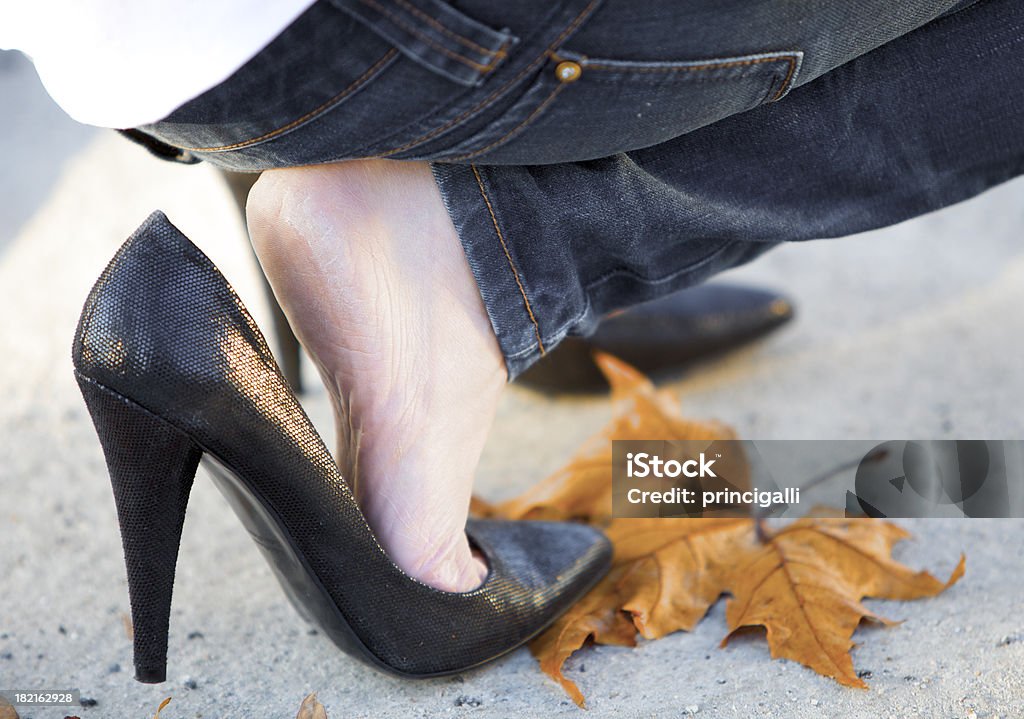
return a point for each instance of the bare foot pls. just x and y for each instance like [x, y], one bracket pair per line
[370, 272]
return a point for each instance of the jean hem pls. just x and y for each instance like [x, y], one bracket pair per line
[503, 288]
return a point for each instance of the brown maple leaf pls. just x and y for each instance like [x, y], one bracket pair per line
[665, 575]
[804, 583]
[675, 568]
[595, 617]
[582, 490]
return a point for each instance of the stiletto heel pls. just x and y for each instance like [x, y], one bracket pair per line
[151, 469]
[173, 369]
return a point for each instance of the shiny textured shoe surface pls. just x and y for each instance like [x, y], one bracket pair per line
[663, 335]
[168, 357]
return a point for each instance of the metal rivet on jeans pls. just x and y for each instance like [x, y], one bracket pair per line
[568, 71]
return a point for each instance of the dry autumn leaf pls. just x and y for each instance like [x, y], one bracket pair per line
[160, 708]
[674, 568]
[311, 708]
[804, 583]
[6, 710]
[582, 490]
[597, 617]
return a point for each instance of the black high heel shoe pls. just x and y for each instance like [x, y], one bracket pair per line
[173, 369]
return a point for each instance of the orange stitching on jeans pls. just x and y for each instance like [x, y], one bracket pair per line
[790, 59]
[490, 98]
[684, 68]
[500, 52]
[789, 78]
[508, 135]
[312, 113]
[508, 256]
[440, 48]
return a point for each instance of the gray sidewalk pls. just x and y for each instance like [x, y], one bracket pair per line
[915, 331]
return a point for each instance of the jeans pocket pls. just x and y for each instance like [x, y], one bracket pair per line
[436, 35]
[582, 108]
[347, 73]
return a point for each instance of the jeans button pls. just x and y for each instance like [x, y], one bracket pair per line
[568, 71]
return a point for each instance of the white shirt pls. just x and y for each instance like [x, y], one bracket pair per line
[124, 63]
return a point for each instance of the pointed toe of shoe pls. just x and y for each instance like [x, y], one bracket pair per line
[663, 336]
[691, 325]
[552, 564]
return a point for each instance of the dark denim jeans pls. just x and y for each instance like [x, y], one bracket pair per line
[594, 155]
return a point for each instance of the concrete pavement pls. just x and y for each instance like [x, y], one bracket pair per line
[915, 331]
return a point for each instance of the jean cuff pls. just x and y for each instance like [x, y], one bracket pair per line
[475, 212]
